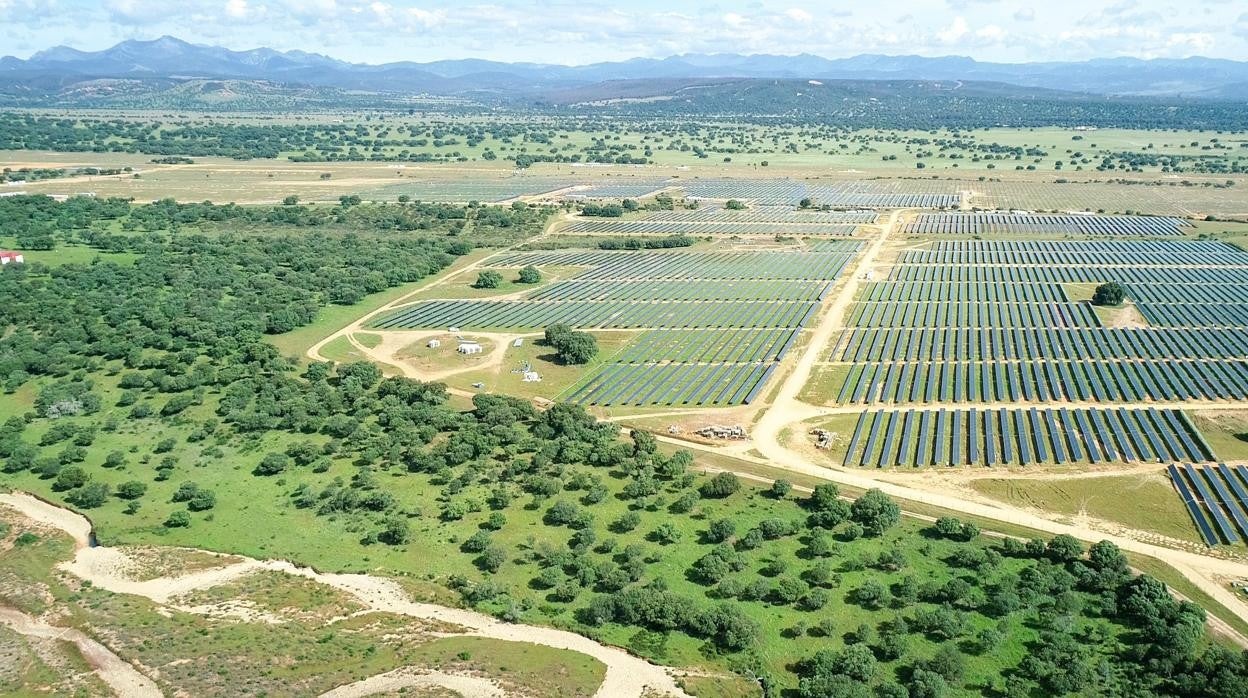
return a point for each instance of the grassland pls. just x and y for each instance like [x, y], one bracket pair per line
[1144, 502]
[1225, 430]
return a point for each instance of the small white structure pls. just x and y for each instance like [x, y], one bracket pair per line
[519, 341]
[453, 330]
[468, 348]
[8, 257]
[434, 343]
[532, 377]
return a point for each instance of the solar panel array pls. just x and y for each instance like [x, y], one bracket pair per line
[719, 322]
[991, 437]
[617, 188]
[615, 226]
[863, 194]
[1007, 223]
[1217, 499]
[991, 323]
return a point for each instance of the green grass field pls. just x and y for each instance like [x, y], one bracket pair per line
[1146, 502]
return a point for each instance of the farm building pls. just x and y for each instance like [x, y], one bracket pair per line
[7, 257]
[469, 348]
[434, 343]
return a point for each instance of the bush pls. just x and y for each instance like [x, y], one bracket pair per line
[178, 519]
[488, 279]
[273, 464]
[529, 275]
[131, 490]
[394, 531]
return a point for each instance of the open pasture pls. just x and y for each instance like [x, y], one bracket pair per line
[1033, 436]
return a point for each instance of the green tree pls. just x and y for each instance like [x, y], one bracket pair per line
[875, 512]
[577, 348]
[720, 486]
[1111, 293]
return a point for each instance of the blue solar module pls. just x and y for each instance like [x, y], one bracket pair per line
[1219, 518]
[1225, 498]
[1193, 507]
[853, 442]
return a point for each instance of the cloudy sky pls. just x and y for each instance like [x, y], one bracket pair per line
[561, 31]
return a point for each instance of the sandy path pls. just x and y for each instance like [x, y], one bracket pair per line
[395, 681]
[626, 676]
[393, 343]
[119, 675]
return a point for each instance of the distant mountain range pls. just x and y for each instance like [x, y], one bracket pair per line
[169, 58]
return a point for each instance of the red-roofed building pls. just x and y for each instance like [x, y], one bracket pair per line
[7, 257]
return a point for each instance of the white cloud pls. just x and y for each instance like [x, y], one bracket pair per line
[582, 31]
[237, 9]
[797, 14]
[955, 32]
[1196, 42]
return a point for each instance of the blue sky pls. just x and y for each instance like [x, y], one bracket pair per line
[561, 31]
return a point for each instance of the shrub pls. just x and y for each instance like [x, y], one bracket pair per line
[488, 279]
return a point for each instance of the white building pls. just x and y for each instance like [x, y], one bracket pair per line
[467, 348]
[532, 377]
[434, 343]
[8, 257]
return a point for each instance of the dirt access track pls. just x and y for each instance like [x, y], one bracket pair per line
[626, 676]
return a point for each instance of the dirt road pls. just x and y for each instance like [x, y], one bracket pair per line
[118, 674]
[626, 676]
